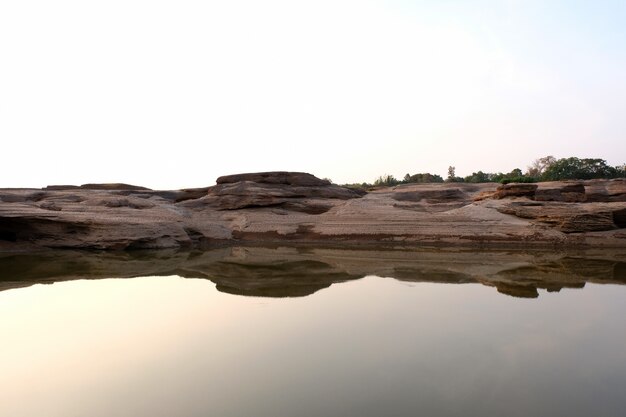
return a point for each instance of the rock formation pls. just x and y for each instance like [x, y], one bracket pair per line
[298, 207]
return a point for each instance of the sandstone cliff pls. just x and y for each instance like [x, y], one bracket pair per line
[298, 207]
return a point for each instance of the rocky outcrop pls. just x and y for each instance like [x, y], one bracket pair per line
[573, 206]
[108, 186]
[298, 207]
[561, 191]
[516, 190]
[568, 218]
[251, 194]
[284, 190]
[276, 177]
[606, 191]
[86, 218]
[444, 195]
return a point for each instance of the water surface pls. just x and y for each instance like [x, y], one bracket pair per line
[312, 332]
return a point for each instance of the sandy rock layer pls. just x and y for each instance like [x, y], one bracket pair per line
[298, 207]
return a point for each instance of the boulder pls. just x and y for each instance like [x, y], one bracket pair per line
[291, 191]
[275, 177]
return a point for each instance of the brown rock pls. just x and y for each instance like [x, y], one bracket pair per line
[275, 177]
[105, 186]
[112, 187]
[21, 196]
[606, 190]
[175, 196]
[273, 192]
[561, 191]
[516, 190]
[587, 222]
[431, 196]
[50, 205]
[61, 187]
[568, 218]
[619, 218]
[134, 203]
[80, 218]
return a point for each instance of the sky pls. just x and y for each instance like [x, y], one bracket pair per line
[173, 94]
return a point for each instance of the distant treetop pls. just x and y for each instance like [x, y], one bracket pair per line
[547, 168]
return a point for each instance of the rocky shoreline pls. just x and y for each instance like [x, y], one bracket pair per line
[279, 207]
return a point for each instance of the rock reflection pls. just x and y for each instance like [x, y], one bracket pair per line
[301, 271]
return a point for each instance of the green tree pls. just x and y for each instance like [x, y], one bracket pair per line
[515, 175]
[386, 181]
[579, 169]
[478, 177]
[423, 178]
[539, 166]
[452, 175]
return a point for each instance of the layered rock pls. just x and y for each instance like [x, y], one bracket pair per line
[609, 191]
[276, 177]
[516, 190]
[570, 218]
[573, 192]
[291, 191]
[606, 191]
[298, 207]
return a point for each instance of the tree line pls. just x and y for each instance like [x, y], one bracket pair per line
[547, 168]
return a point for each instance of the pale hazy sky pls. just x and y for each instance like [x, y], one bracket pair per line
[170, 94]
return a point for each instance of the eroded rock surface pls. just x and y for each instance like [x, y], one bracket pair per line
[297, 192]
[573, 192]
[276, 177]
[298, 207]
[516, 190]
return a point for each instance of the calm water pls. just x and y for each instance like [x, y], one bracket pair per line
[311, 332]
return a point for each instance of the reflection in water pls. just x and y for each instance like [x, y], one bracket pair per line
[294, 272]
[166, 346]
